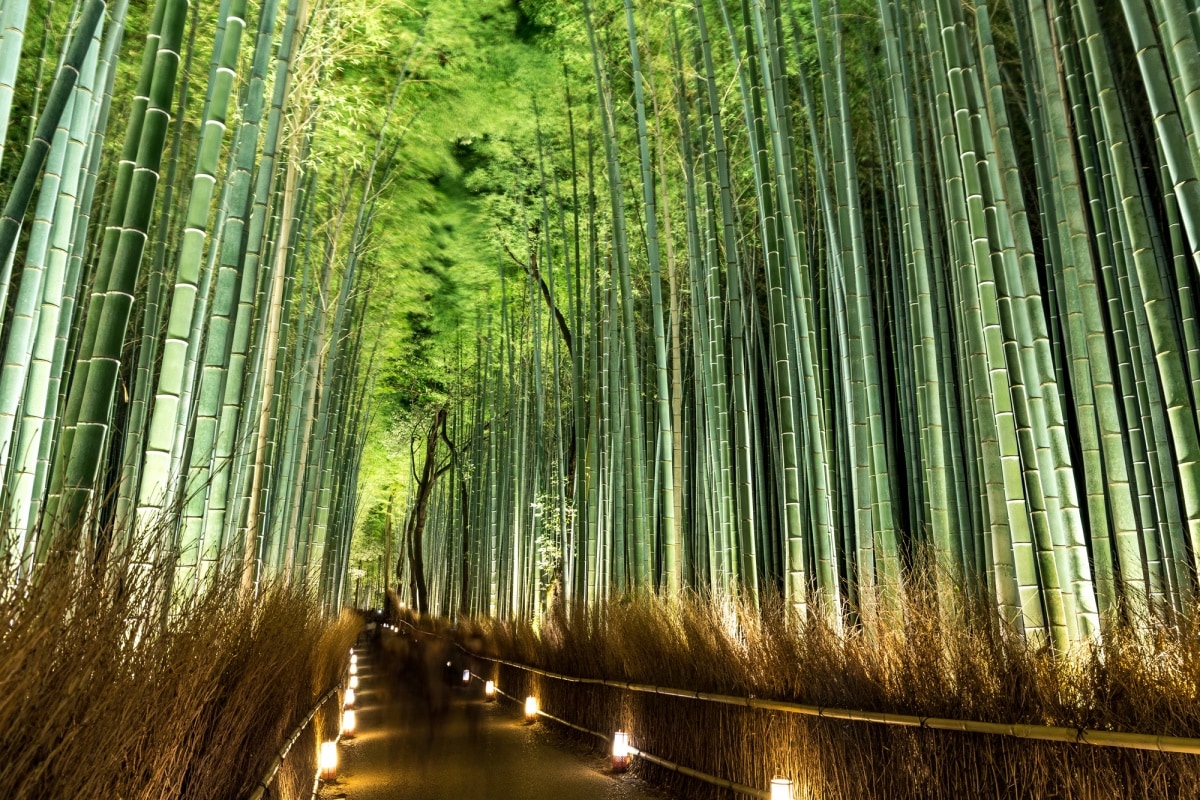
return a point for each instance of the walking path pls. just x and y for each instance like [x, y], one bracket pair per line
[414, 743]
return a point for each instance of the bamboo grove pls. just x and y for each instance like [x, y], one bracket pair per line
[183, 316]
[807, 296]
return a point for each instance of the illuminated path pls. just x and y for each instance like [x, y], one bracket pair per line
[470, 751]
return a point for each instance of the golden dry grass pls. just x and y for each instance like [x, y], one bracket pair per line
[104, 693]
[917, 662]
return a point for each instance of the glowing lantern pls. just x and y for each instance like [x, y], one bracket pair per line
[489, 690]
[328, 761]
[353, 660]
[349, 722]
[781, 789]
[353, 681]
[466, 676]
[620, 751]
[354, 669]
[531, 709]
[349, 701]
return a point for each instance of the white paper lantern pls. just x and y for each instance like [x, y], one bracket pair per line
[328, 761]
[620, 751]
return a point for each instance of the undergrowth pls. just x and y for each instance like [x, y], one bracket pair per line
[1143, 679]
[109, 691]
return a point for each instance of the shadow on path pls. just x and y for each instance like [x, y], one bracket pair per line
[423, 735]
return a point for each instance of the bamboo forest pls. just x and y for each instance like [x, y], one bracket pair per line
[808, 390]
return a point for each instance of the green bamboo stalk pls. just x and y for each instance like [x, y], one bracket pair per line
[118, 201]
[296, 519]
[21, 193]
[41, 407]
[12, 35]
[292, 452]
[1010, 554]
[566, 554]
[207, 467]
[30, 359]
[930, 402]
[1171, 371]
[24, 319]
[666, 438]
[245, 255]
[641, 571]
[876, 541]
[152, 315]
[735, 364]
[83, 459]
[161, 433]
[783, 249]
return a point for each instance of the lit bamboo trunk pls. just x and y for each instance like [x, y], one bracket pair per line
[157, 484]
[25, 379]
[90, 403]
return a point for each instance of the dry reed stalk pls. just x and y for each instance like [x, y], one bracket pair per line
[922, 662]
[106, 690]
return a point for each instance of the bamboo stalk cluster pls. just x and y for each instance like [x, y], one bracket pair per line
[930, 284]
[190, 369]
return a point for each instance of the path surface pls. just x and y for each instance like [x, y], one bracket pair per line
[408, 748]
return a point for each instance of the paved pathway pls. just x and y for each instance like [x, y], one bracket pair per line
[408, 748]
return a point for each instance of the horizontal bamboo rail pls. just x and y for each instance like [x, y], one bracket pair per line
[740, 788]
[1047, 733]
[273, 768]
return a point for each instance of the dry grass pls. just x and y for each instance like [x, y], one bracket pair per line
[105, 693]
[917, 664]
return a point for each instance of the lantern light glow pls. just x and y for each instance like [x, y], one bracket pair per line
[349, 723]
[466, 676]
[349, 700]
[489, 690]
[781, 789]
[531, 708]
[354, 669]
[328, 761]
[620, 751]
[353, 681]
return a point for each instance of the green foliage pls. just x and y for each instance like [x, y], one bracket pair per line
[463, 186]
